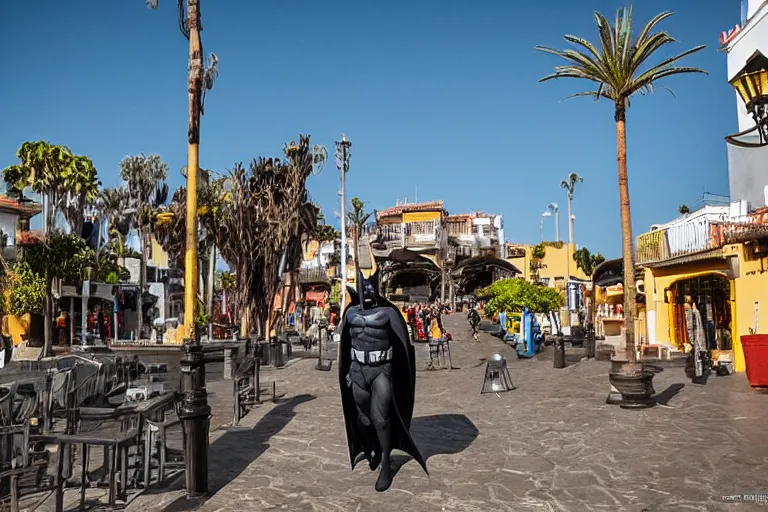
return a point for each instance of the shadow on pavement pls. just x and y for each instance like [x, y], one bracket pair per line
[665, 396]
[234, 451]
[440, 434]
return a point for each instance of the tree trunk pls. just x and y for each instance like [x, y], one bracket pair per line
[209, 285]
[626, 235]
[356, 239]
[48, 318]
[142, 284]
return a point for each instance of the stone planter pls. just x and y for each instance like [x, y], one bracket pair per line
[636, 390]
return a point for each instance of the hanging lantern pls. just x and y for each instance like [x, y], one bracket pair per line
[751, 83]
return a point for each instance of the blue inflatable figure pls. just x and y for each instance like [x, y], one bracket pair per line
[530, 336]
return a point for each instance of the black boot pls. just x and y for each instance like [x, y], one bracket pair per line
[385, 476]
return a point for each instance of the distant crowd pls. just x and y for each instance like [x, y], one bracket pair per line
[425, 321]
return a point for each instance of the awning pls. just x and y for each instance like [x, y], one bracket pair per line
[689, 258]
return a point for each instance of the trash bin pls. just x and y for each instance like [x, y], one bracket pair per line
[276, 349]
[263, 352]
[755, 348]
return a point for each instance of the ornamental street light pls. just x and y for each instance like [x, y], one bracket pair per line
[342, 164]
[752, 85]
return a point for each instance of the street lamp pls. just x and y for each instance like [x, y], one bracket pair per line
[555, 210]
[342, 164]
[546, 213]
[752, 85]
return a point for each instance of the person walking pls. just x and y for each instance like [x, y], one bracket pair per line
[473, 317]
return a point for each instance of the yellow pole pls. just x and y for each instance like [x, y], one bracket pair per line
[195, 90]
[190, 258]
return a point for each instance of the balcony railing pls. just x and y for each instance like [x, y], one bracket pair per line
[458, 228]
[652, 247]
[390, 232]
[411, 234]
[688, 237]
[422, 233]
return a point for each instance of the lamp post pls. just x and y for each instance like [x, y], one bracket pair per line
[554, 209]
[546, 213]
[342, 164]
[319, 157]
[194, 412]
[751, 83]
[569, 184]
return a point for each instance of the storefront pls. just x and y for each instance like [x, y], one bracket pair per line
[708, 296]
[608, 311]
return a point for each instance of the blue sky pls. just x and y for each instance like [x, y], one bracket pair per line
[439, 95]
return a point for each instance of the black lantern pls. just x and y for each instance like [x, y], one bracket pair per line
[752, 85]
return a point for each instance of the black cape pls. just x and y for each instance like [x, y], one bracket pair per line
[403, 383]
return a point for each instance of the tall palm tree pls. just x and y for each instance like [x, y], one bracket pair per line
[619, 69]
[569, 184]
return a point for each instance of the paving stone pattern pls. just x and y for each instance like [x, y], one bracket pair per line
[552, 444]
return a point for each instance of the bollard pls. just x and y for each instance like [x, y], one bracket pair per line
[559, 357]
[195, 415]
[591, 342]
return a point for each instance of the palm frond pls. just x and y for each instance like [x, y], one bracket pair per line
[651, 25]
[616, 66]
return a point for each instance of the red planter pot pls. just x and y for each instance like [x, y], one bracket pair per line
[755, 348]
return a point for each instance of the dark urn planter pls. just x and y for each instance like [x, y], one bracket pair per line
[636, 390]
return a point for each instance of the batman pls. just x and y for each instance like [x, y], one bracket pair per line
[377, 375]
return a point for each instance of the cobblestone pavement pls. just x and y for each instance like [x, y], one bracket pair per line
[552, 444]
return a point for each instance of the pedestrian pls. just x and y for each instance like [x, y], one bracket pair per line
[473, 317]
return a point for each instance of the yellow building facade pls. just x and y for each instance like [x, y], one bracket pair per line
[553, 268]
[729, 281]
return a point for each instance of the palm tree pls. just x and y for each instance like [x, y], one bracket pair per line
[619, 70]
[569, 184]
[144, 177]
[112, 206]
[357, 219]
[587, 261]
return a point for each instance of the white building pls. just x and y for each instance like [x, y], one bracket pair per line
[14, 215]
[747, 169]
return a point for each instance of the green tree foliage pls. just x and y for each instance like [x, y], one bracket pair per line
[684, 210]
[517, 293]
[69, 181]
[63, 256]
[27, 290]
[587, 261]
[170, 230]
[537, 254]
[58, 256]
